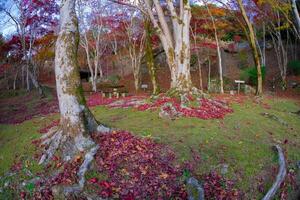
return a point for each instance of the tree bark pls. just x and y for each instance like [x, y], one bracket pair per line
[136, 45]
[76, 120]
[150, 58]
[218, 50]
[176, 45]
[253, 47]
[296, 14]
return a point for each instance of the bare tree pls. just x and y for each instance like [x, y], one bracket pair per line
[296, 14]
[92, 41]
[218, 48]
[251, 36]
[136, 46]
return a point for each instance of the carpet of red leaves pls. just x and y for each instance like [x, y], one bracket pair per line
[130, 168]
[208, 109]
[217, 187]
[138, 168]
[67, 176]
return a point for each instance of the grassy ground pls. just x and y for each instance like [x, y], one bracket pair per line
[242, 140]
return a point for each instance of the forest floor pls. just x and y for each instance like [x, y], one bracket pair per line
[238, 146]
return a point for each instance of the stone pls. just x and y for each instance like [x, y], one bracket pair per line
[224, 169]
[249, 89]
[58, 192]
[274, 117]
[168, 111]
[298, 164]
[195, 190]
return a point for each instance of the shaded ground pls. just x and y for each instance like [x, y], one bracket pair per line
[239, 146]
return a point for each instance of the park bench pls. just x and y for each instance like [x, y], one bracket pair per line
[113, 91]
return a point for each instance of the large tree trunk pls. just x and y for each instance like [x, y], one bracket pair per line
[176, 45]
[76, 120]
[253, 45]
[150, 58]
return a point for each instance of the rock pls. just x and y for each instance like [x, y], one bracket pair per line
[249, 89]
[298, 164]
[168, 111]
[6, 184]
[274, 117]
[297, 113]
[58, 192]
[194, 189]
[224, 169]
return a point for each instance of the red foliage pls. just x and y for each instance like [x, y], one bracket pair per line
[17, 166]
[67, 176]
[208, 109]
[47, 128]
[96, 99]
[217, 187]
[137, 168]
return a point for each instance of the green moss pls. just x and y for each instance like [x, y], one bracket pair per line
[243, 140]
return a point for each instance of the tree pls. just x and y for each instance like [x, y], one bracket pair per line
[218, 48]
[296, 14]
[72, 136]
[32, 20]
[275, 17]
[150, 57]
[251, 36]
[175, 39]
[136, 46]
[92, 41]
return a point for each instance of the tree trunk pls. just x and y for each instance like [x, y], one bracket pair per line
[76, 120]
[176, 45]
[296, 13]
[150, 58]
[218, 50]
[200, 73]
[254, 48]
[209, 72]
[15, 80]
[27, 79]
[36, 83]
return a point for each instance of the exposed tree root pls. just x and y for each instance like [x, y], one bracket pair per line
[280, 176]
[56, 140]
[53, 141]
[193, 91]
[77, 188]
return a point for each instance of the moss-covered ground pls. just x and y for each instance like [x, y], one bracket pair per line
[242, 140]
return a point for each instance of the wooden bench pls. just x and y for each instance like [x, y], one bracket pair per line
[113, 91]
